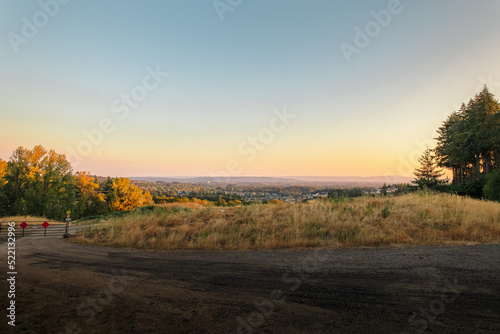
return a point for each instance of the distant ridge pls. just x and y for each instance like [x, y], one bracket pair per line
[346, 181]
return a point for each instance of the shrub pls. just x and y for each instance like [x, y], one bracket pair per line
[492, 188]
[473, 188]
[385, 212]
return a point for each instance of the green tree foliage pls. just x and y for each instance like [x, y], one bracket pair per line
[469, 140]
[39, 182]
[3, 182]
[383, 190]
[90, 201]
[492, 187]
[345, 193]
[42, 183]
[428, 176]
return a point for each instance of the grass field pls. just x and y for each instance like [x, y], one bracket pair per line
[414, 219]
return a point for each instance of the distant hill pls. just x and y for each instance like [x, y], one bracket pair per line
[341, 181]
[389, 179]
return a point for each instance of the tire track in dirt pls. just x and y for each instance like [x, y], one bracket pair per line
[356, 290]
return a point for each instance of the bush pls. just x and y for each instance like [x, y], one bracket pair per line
[473, 188]
[492, 188]
[345, 193]
[385, 212]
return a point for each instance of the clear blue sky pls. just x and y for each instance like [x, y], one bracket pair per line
[371, 114]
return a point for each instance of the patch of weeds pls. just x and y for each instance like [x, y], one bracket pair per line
[345, 236]
[422, 215]
[340, 199]
[324, 234]
[313, 228]
[424, 193]
[204, 234]
[385, 212]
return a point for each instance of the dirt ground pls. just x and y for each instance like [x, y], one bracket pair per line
[63, 287]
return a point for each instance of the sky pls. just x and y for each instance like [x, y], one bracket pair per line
[240, 87]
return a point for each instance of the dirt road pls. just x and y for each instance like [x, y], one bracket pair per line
[62, 287]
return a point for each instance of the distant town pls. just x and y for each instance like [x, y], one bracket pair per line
[257, 192]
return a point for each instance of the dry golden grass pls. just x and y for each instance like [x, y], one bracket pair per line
[27, 219]
[414, 219]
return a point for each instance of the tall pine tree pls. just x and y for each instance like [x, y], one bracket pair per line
[469, 140]
[428, 176]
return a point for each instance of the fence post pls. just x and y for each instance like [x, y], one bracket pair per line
[68, 219]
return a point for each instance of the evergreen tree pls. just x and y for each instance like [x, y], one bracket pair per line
[469, 140]
[428, 176]
[492, 187]
[383, 190]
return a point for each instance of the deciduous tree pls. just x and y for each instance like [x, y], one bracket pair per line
[124, 195]
[89, 200]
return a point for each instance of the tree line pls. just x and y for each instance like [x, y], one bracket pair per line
[468, 144]
[469, 140]
[42, 183]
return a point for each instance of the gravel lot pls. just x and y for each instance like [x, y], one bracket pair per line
[63, 287]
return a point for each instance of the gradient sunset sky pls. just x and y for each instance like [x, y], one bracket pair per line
[65, 70]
